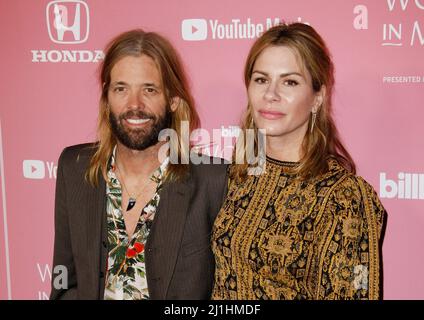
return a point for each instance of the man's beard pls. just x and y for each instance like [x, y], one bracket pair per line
[139, 139]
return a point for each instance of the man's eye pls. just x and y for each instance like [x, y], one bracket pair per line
[150, 90]
[119, 89]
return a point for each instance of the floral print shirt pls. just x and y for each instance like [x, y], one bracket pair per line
[126, 270]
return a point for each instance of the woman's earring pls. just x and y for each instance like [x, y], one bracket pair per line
[314, 117]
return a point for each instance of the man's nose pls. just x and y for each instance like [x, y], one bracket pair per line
[135, 100]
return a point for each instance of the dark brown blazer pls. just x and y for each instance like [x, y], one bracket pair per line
[179, 260]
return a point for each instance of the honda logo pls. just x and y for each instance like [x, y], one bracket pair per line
[68, 21]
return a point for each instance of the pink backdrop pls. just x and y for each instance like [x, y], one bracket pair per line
[48, 103]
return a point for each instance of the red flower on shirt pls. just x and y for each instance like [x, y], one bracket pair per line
[131, 253]
[138, 247]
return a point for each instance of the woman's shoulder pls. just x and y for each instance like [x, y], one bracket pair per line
[343, 184]
[347, 180]
[353, 192]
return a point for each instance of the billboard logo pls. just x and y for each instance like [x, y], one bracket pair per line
[34, 169]
[231, 131]
[408, 186]
[194, 29]
[68, 17]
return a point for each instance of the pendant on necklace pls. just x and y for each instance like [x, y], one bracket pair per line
[131, 204]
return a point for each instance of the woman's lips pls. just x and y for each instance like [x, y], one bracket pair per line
[271, 115]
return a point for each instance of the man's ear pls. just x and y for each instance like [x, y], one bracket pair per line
[175, 102]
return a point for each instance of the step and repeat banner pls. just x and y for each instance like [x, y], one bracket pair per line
[49, 99]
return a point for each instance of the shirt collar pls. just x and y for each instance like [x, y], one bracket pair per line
[157, 174]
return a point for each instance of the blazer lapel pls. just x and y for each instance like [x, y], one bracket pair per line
[166, 235]
[96, 213]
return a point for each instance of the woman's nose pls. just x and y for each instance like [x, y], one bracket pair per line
[271, 93]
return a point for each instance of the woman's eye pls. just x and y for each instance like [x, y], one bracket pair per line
[260, 80]
[291, 83]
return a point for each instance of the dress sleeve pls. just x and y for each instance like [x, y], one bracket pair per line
[353, 252]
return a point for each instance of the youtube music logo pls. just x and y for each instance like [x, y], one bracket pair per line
[36, 169]
[233, 29]
[194, 29]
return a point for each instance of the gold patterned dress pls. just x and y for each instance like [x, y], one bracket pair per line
[278, 237]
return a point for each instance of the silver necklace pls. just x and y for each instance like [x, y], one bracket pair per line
[133, 200]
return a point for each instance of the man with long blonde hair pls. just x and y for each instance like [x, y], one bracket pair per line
[130, 223]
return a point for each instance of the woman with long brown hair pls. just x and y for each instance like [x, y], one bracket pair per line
[307, 227]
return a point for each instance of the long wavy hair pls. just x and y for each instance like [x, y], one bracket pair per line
[324, 140]
[137, 43]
